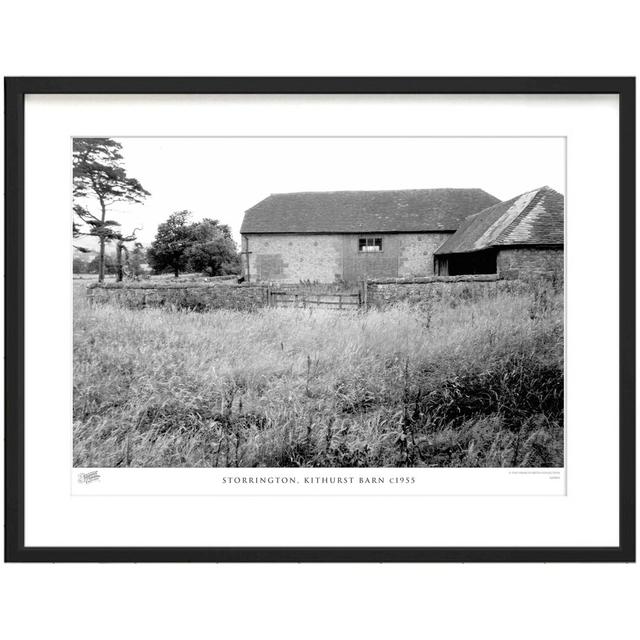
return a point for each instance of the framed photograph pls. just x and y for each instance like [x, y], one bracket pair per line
[320, 319]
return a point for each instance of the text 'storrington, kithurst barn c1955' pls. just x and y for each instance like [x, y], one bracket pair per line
[355, 235]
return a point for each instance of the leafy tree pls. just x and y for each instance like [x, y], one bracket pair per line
[98, 172]
[173, 238]
[121, 248]
[80, 265]
[212, 250]
[108, 264]
[136, 260]
[205, 247]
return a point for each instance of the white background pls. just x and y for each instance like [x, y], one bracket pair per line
[331, 38]
[586, 516]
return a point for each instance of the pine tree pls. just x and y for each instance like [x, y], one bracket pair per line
[98, 171]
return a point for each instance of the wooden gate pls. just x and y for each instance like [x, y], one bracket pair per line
[306, 300]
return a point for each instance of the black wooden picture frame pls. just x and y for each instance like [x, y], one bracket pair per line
[15, 91]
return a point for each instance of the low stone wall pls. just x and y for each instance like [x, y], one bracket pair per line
[419, 291]
[427, 291]
[193, 295]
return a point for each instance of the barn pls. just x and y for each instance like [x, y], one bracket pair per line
[518, 238]
[352, 235]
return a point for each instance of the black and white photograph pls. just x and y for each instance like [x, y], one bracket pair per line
[325, 302]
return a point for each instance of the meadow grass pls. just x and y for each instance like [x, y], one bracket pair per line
[460, 384]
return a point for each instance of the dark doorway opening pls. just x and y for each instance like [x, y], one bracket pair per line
[462, 264]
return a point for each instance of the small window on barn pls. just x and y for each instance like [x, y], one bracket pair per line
[368, 245]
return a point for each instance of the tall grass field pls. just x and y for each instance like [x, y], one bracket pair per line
[464, 383]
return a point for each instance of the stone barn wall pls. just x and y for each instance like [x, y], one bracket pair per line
[531, 262]
[326, 258]
[292, 258]
[416, 253]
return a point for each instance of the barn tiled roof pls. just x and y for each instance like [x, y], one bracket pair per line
[533, 218]
[365, 211]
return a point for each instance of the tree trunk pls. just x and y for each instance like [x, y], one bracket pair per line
[176, 271]
[102, 242]
[101, 261]
[119, 261]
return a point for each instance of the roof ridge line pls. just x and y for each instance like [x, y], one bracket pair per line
[295, 193]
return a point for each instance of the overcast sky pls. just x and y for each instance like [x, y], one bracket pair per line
[222, 177]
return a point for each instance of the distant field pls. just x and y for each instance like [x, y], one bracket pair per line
[464, 384]
[185, 277]
[90, 277]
